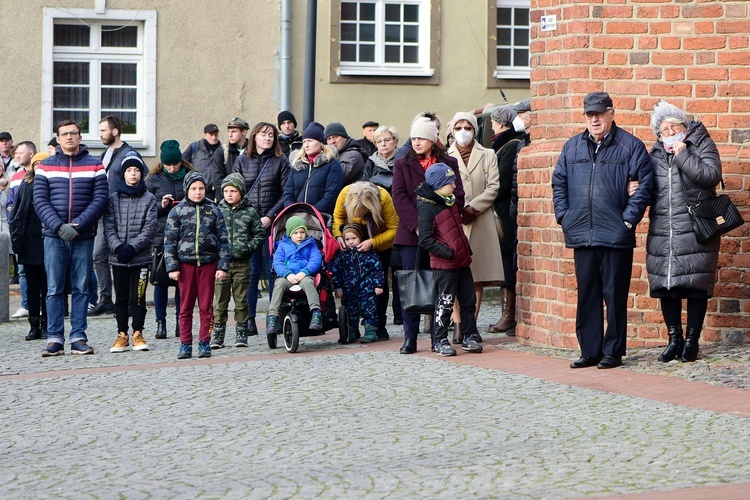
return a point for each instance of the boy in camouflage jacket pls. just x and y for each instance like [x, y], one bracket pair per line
[245, 236]
[196, 252]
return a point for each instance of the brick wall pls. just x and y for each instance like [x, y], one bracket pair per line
[696, 55]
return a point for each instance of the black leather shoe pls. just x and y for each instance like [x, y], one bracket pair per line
[252, 328]
[409, 347]
[161, 329]
[609, 362]
[105, 306]
[584, 362]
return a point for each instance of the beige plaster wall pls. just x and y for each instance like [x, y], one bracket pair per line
[463, 74]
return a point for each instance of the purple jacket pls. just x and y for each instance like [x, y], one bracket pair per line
[407, 176]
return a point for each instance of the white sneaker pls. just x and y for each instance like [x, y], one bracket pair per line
[91, 307]
[21, 313]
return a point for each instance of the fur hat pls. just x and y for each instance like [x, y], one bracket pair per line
[133, 160]
[295, 222]
[284, 116]
[335, 128]
[665, 112]
[424, 128]
[39, 157]
[439, 175]
[235, 180]
[469, 117]
[357, 229]
[503, 115]
[314, 131]
[190, 178]
[170, 152]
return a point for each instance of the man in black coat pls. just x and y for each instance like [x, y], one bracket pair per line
[598, 219]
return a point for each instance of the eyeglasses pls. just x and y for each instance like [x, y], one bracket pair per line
[671, 127]
[66, 134]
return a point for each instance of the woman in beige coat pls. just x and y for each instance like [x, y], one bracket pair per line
[479, 174]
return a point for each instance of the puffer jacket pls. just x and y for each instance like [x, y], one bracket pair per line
[131, 220]
[71, 190]
[210, 162]
[290, 258]
[674, 257]
[353, 270]
[505, 145]
[114, 169]
[159, 184]
[590, 189]
[26, 228]
[196, 234]
[382, 167]
[382, 236]
[318, 185]
[352, 159]
[290, 144]
[267, 194]
[244, 229]
[441, 232]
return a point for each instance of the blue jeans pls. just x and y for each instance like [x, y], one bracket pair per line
[58, 255]
[22, 285]
[256, 260]
[161, 298]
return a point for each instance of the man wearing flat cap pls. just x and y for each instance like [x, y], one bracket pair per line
[207, 156]
[237, 131]
[598, 220]
[368, 145]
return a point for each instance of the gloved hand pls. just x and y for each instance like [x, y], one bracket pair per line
[125, 253]
[470, 214]
[67, 232]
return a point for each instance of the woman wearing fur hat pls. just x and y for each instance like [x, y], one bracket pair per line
[408, 174]
[478, 171]
[687, 169]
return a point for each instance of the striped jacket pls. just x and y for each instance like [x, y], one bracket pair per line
[70, 189]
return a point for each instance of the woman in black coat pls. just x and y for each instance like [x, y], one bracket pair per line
[687, 169]
[266, 171]
[26, 237]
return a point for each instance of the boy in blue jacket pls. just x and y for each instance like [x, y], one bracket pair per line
[296, 260]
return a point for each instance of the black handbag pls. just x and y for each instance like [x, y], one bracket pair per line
[416, 288]
[159, 275]
[712, 217]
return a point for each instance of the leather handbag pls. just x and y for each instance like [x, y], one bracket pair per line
[498, 226]
[159, 275]
[712, 217]
[416, 288]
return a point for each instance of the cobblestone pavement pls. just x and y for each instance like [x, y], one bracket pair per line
[252, 423]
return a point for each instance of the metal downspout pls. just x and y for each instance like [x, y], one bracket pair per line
[286, 55]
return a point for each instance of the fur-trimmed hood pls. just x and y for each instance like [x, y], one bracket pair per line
[300, 162]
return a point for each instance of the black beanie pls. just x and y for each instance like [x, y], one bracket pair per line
[284, 116]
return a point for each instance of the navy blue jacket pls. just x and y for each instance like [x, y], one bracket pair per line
[590, 189]
[318, 185]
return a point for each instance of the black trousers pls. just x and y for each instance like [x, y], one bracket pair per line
[603, 276]
[36, 290]
[451, 285]
[130, 296]
[385, 262]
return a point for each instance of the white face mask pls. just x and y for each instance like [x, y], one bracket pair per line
[669, 141]
[463, 137]
[518, 124]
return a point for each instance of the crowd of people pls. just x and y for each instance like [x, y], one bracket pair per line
[207, 210]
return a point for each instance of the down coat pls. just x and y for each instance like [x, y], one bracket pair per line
[674, 257]
[131, 220]
[159, 184]
[590, 189]
[441, 232]
[267, 193]
[70, 189]
[319, 184]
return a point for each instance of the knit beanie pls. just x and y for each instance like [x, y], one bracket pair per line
[170, 153]
[284, 116]
[438, 175]
[665, 112]
[469, 117]
[522, 106]
[335, 128]
[357, 229]
[192, 177]
[424, 128]
[503, 115]
[133, 160]
[295, 222]
[39, 157]
[314, 131]
[235, 180]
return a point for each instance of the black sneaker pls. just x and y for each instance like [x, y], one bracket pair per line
[470, 344]
[105, 306]
[81, 347]
[443, 348]
[53, 349]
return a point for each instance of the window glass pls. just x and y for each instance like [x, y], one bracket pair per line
[119, 36]
[512, 39]
[71, 35]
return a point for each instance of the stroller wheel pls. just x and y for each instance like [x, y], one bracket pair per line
[343, 325]
[291, 333]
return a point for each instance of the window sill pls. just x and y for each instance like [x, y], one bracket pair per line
[388, 72]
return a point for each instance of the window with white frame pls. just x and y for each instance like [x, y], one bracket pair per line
[101, 66]
[385, 37]
[512, 41]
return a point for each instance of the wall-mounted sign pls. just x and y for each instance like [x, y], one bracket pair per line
[549, 23]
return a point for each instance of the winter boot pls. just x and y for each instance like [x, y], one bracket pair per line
[242, 333]
[508, 319]
[35, 330]
[675, 346]
[458, 335]
[371, 334]
[272, 325]
[690, 353]
[217, 340]
[177, 327]
[409, 347]
[161, 329]
[43, 325]
[353, 333]
[252, 328]
[316, 320]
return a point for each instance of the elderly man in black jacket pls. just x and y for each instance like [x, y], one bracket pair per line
[598, 219]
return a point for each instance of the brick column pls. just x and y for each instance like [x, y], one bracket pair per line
[696, 56]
